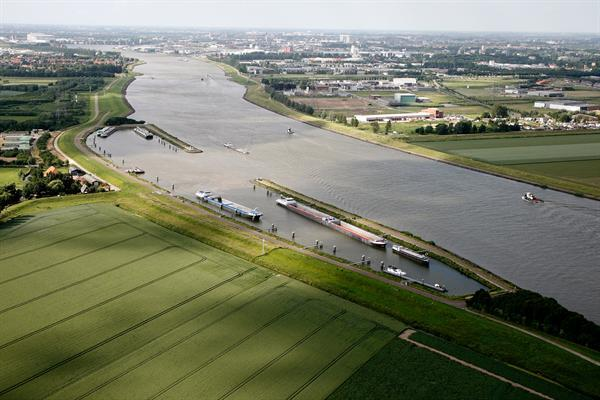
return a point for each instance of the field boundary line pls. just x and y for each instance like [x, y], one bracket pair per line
[331, 363]
[51, 226]
[408, 332]
[121, 333]
[72, 284]
[46, 214]
[229, 348]
[186, 337]
[176, 326]
[102, 303]
[282, 354]
[69, 259]
[61, 240]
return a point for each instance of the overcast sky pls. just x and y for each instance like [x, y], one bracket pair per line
[398, 15]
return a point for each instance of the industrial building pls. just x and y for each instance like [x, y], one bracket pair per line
[404, 82]
[566, 105]
[428, 113]
[39, 38]
[402, 99]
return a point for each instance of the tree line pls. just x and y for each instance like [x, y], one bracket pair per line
[543, 313]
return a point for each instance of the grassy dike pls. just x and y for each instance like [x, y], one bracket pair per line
[257, 95]
[459, 326]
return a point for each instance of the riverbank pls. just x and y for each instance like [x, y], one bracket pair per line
[458, 325]
[466, 267]
[256, 94]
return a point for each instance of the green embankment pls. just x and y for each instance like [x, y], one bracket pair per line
[464, 328]
[461, 327]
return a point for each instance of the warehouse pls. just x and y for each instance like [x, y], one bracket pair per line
[428, 113]
[566, 105]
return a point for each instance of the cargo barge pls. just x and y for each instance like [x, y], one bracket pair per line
[332, 222]
[411, 254]
[223, 204]
[143, 132]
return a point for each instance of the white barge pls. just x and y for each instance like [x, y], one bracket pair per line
[411, 254]
[224, 204]
[332, 222]
[143, 132]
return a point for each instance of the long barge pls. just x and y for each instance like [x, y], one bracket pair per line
[332, 222]
[252, 213]
[143, 132]
[411, 254]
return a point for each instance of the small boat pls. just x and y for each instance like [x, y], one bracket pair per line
[390, 269]
[228, 145]
[410, 254]
[290, 131]
[143, 132]
[136, 170]
[531, 198]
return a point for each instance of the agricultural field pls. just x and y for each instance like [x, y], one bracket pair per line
[403, 371]
[98, 303]
[346, 105]
[570, 157]
[531, 381]
[481, 88]
[10, 175]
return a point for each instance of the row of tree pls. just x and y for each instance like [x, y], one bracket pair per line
[543, 313]
[467, 127]
[100, 70]
[282, 98]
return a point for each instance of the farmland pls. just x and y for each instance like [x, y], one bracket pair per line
[489, 364]
[571, 157]
[402, 370]
[10, 175]
[104, 303]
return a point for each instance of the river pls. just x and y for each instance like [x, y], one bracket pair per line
[551, 248]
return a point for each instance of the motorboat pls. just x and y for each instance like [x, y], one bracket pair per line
[531, 198]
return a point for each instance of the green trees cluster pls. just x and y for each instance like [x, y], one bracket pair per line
[38, 185]
[467, 127]
[115, 121]
[48, 158]
[282, 98]
[9, 194]
[99, 70]
[55, 106]
[543, 313]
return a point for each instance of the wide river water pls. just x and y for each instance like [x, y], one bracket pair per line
[552, 248]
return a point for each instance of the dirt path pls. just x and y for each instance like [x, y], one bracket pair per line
[408, 332]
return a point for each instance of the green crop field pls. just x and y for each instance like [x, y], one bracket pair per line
[536, 383]
[10, 175]
[403, 371]
[570, 157]
[98, 303]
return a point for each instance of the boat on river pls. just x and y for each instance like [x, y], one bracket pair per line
[410, 254]
[252, 213]
[531, 198]
[391, 270]
[143, 132]
[332, 222]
